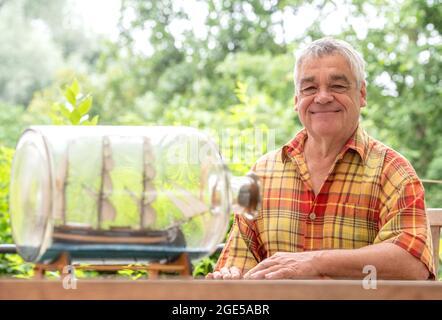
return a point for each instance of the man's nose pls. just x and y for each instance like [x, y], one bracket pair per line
[323, 96]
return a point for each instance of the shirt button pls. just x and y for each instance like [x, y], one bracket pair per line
[312, 216]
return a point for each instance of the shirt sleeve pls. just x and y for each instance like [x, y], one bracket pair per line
[242, 248]
[403, 220]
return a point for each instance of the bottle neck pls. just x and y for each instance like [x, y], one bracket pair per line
[246, 193]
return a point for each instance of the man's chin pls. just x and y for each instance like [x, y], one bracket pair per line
[326, 130]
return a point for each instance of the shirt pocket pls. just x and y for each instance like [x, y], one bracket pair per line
[349, 226]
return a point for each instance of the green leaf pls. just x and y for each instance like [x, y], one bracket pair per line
[75, 87]
[75, 117]
[65, 111]
[71, 96]
[85, 105]
[94, 121]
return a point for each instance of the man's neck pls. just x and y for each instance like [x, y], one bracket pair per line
[324, 148]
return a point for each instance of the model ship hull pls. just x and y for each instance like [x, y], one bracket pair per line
[119, 253]
[115, 236]
[125, 245]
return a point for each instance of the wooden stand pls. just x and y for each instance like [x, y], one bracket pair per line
[59, 264]
[181, 265]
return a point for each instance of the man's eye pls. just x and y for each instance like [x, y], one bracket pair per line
[308, 90]
[339, 88]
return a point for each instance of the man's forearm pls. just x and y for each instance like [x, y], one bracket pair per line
[390, 261]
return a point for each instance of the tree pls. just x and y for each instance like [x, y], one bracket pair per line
[38, 38]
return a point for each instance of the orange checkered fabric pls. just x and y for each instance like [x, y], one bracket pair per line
[372, 195]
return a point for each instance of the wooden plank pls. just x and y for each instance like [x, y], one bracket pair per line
[195, 289]
[435, 216]
[118, 267]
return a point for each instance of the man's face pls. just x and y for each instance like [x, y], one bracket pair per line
[328, 100]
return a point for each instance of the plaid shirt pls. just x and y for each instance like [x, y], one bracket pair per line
[372, 195]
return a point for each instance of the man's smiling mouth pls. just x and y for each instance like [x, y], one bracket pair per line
[331, 111]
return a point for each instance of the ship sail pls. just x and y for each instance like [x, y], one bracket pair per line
[187, 203]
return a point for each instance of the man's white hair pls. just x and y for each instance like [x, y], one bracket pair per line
[330, 46]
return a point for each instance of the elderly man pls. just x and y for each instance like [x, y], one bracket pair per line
[335, 200]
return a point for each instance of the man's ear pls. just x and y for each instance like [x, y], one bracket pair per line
[295, 103]
[363, 94]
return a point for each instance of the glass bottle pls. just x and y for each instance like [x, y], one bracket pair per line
[126, 193]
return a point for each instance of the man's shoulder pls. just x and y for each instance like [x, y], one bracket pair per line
[269, 160]
[394, 163]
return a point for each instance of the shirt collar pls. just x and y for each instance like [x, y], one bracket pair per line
[357, 142]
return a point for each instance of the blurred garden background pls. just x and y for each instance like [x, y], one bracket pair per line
[214, 65]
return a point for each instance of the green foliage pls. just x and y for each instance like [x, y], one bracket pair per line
[133, 274]
[11, 264]
[75, 110]
[13, 124]
[6, 155]
[205, 266]
[37, 42]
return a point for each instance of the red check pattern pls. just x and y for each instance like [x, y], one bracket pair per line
[372, 195]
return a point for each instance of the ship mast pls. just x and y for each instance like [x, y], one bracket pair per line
[147, 213]
[61, 183]
[105, 209]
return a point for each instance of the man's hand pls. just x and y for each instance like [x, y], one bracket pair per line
[286, 265]
[225, 273]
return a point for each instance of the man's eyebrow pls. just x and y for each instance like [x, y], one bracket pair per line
[307, 79]
[339, 77]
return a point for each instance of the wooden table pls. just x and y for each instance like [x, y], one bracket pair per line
[196, 289]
